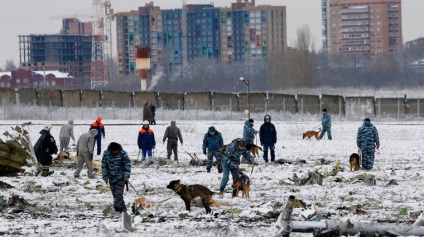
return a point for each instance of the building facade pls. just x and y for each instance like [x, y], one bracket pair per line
[65, 53]
[365, 27]
[237, 33]
[22, 78]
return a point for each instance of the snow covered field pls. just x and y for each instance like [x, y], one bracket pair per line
[69, 207]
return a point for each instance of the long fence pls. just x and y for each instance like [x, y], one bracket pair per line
[45, 104]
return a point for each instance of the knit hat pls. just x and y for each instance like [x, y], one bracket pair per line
[242, 143]
[146, 122]
[367, 120]
[47, 127]
[251, 121]
[324, 110]
[211, 129]
[71, 121]
[113, 146]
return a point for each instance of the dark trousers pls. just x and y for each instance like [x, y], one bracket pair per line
[118, 196]
[99, 144]
[368, 158]
[172, 146]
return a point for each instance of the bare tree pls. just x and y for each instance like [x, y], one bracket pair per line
[9, 65]
[305, 63]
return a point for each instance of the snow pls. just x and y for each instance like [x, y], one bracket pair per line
[56, 73]
[74, 207]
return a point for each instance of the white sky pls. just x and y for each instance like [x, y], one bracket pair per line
[33, 17]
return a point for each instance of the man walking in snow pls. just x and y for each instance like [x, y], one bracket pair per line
[326, 125]
[116, 171]
[98, 125]
[85, 150]
[66, 133]
[44, 148]
[146, 141]
[153, 110]
[268, 137]
[249, 133]
[172, 133]
[367, 141]
[213, 142]
[231, 161]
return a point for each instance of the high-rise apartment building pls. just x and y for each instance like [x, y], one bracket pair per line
[237, 33]
[366, 27]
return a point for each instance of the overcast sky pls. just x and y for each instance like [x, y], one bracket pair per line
[33, 17]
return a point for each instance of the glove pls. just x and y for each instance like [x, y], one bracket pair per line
[204, 152]
[378, 147]
[126, 179]
[154, 147]
[359, 147]
[236, 166]
[254, 164]
[107, 182]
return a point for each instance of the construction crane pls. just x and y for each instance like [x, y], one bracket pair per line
[101, 54]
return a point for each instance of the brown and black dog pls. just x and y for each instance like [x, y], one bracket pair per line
[310, 134]
[252, 148]
[354, 162]
[242, 183]
[190, 192]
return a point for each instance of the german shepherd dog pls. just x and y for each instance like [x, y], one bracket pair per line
[310, 134]
[354, 162]
[190, 192]
[252, 148]
[242, 183]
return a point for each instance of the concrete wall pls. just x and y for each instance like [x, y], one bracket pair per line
[45, 97]
[171, 100]
[141, 97]
[8, 96]
[203, 101]
[257, 102]
[311, 104]
[281, 103]
[117, 99]
[224, 102]
[91, 99]
[71, 98]
[27, 96]
[414, 107]
[333, 103]
[361, 107]
[390, 107]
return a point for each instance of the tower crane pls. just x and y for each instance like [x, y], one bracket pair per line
[101, 54]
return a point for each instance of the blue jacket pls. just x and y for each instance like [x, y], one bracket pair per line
[100, 129]
[326, 120]
[115, 168]
[213, 143]
[146, 139]
[249, 133]
[367, 136]
[232, 154]
[152, 109]
[267, 133]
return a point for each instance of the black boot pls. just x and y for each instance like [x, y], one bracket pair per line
[272, 155]
[219, 168]
[208, 170]
[234, 191]
[266, 156]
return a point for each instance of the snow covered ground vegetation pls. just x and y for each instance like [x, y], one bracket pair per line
[59, 205]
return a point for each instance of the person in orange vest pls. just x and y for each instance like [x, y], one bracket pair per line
[98, 125]
[146, 140]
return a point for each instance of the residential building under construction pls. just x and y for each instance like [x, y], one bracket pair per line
[65, 53]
